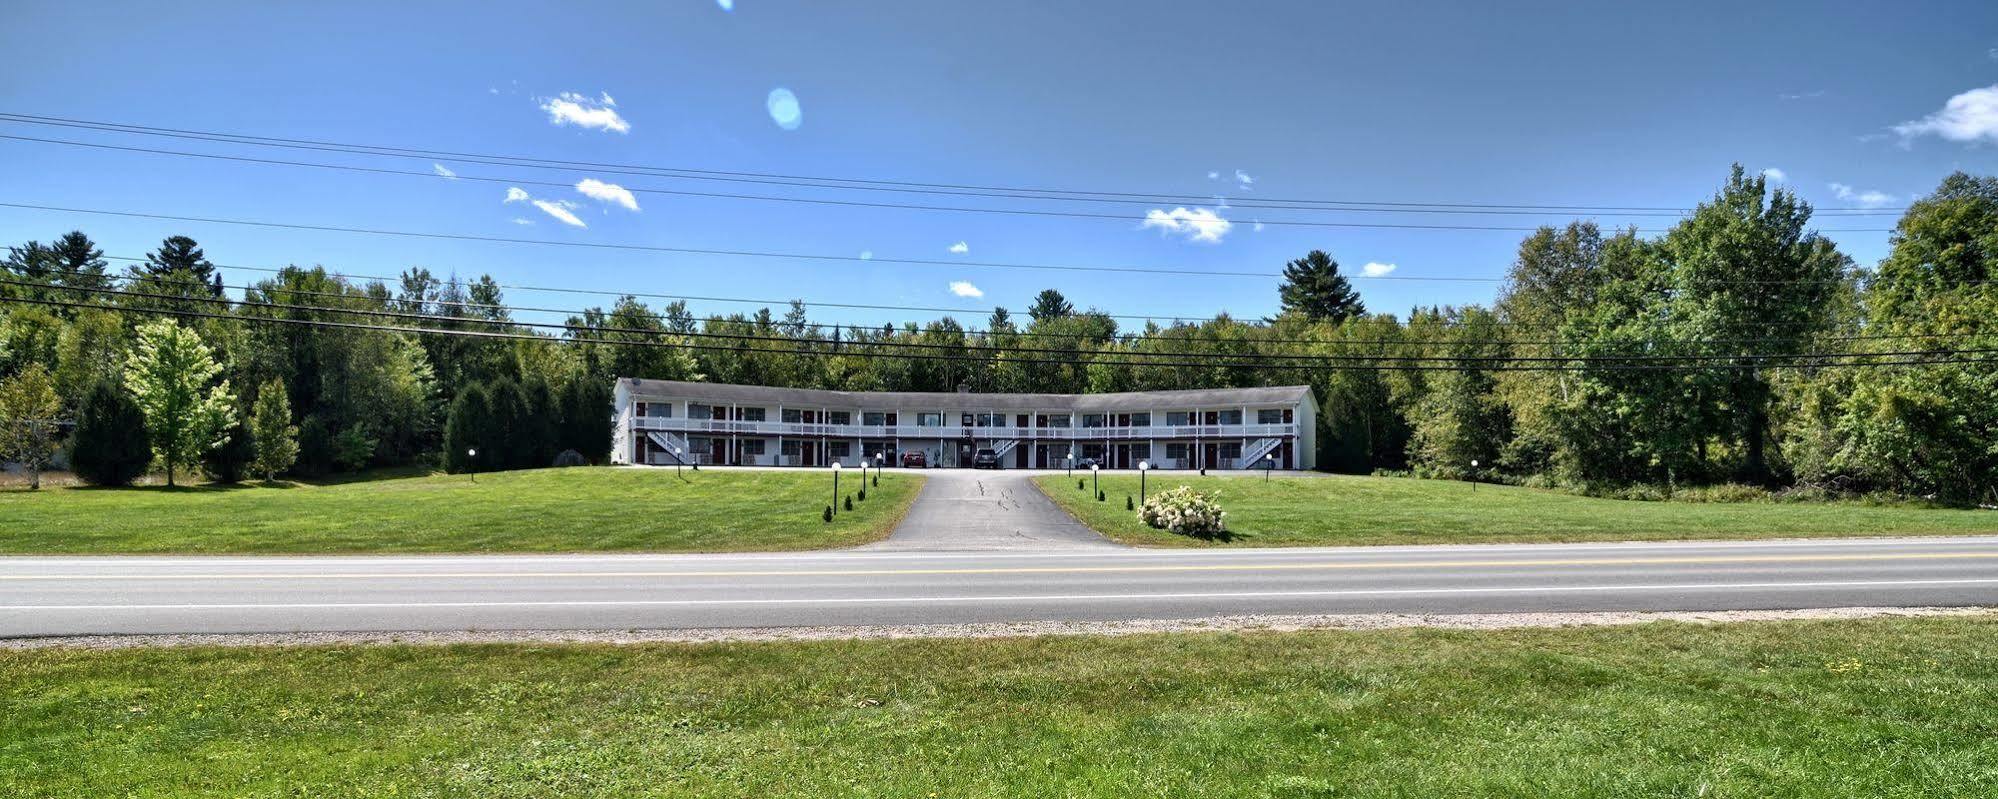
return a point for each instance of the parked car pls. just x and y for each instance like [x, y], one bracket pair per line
[985, 459]
[1086, 463]
[914, 459]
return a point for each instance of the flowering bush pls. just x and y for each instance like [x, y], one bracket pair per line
[1185, 511]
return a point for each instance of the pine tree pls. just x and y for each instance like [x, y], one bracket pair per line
[110, 446]
[178, 259]
[272, 434]
[1313, 287]
[172, 375]
[462, 428]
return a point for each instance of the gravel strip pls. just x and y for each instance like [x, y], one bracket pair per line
[1378, 621]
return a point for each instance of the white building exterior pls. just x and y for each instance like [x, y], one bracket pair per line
[712, 423]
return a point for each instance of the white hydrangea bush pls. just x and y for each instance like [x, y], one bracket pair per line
[1185, 511]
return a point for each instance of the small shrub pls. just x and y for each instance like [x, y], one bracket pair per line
[863, 495]
[1129, 504]
[849, 502]
[1079, 484]
[1185, 511]
[828, 514]
[876, 480]
[1102, 497]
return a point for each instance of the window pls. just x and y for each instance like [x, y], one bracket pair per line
[1093, 451]
[790, 416]
[700, 411]
[751, 414]
[1141, 420]
[1092, 420]
[1058, 420]
[1269, 416]
[992, 420]
[1177, 452]
[659, 410]
[874, 419]
[965, 419]
[839, 449]
[1231, 450]
[1231, 417]
[752, 446]
[1179, 419]
[839, 417]
[929, 419]
[790, 448]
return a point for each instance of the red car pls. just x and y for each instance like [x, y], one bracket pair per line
[914, 460]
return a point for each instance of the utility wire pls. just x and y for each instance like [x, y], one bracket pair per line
[1013, 192]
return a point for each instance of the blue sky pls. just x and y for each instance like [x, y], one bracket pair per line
[1515, 103]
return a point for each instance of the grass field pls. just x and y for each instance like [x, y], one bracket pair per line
[545, 510]
[1340, 509]
[1877, 708]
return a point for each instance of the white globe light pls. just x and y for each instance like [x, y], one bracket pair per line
[835, 466]
[1144, 465]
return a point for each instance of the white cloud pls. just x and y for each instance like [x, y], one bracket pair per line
[726, 5]
[1967, 117]
[560, 209]
[1809, 95]
[1244, 179]
[443, 172]
[607, 192]
[1377, 269]
[867, 255]
[1213, 175]
[1775, 175]
[1258, 227]
[570, 108]
[521, 220]
[516, 194]
[960, 248]
[1199, 224]
[1869, 198]
[963, 288]
[784, 108]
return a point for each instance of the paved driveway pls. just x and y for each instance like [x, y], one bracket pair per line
[962, 509]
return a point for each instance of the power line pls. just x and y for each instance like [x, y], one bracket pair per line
[856, 184]
[1262, 360]
[762, 254]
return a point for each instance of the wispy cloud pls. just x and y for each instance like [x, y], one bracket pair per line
[784, 108]
[1968, 117]
[516, 194]
[571, 108]
[960, 248]
[1243, 179]
[561, 210]
[867, 255]
[442, 171]
[1377, 269]
[726, 5]
[521, 220]
[1868, 199]
[607, 192]
[1809, 95]
[963, 288]
[1198, 224]
[1775, 175]
[1213, 174]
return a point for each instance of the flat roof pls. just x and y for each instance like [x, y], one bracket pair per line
[955, 400]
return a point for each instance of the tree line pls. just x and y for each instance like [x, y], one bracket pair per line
[1608, 359]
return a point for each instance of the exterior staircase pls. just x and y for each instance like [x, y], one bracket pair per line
[1004, 447]
[668, 443]
[1255, 452]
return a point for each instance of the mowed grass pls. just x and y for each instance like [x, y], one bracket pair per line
[1343, 509]
[543, 510]
[1877, 708]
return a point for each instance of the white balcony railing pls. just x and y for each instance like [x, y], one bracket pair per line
[723, 426]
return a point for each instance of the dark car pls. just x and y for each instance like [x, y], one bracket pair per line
[914, 460]
[1086, 463]
[985, 459]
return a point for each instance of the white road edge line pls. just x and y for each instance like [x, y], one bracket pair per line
[1018, 597]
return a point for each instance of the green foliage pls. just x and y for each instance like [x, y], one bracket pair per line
[228, 462]
[173, 376]
[354, 447]
[464, 429]
[111, 446]
[274, 437]
[1313, 288]
[29, 427]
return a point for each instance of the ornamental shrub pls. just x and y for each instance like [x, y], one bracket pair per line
[1185, 511]
[849, 502]
[827, 515]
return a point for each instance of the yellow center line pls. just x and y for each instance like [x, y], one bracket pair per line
[1217, 567]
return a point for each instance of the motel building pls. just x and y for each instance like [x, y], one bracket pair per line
[709, 423]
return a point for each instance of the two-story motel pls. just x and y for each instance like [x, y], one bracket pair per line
[662, 422]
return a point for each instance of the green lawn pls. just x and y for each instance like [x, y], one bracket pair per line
[1340, 509]
[544, 510]
[1877, 708]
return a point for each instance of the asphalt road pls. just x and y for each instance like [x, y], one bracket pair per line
[85, 595]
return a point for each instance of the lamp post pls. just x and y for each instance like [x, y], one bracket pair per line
[676, 460]
[879, 459]
[472, 460]
[1093, 469]
[1143, 467]
[835, 502]
[1474, 474]
[1269, 462]
[1068, 463]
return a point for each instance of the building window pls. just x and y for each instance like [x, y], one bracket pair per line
[839, 449]
[1058, 420]
[839, 417]
[1177, 452]
[929, 419]
[992, 420]
[965, 419]
[1269, 416]
[1231, 417]
[789, 449]
[790, 416]
[754, 446]
[752, 414]
[1179, 418]
[1092, 420]
[700, 411]
[1231, 450]
[1141, 420]
[1093, 451]
[874, 419]
[659, 410]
